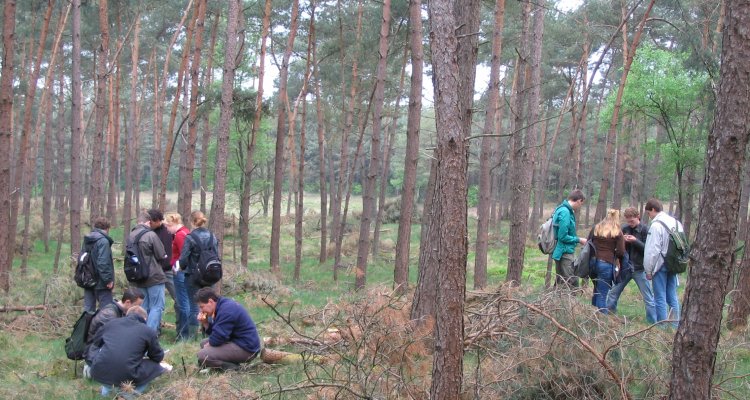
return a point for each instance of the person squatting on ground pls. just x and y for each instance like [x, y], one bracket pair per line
[131, 297]
[567, 239]
[663, 282]
[179, 233]
[610, 250]
[152, 251]
[232, 335]
[99, 245]
[189, 256]
[117, 353]
[156, 223]
[634, 233]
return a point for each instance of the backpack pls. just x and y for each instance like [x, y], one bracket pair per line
[85, 274]
[546, 238]
[136, 271]
[75, 345]
[582, 263]
[678, 252]
[208, 270]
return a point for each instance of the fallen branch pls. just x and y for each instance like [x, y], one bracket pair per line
[22, 308]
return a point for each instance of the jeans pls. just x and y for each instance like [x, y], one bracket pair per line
[91, 296]
[182, 307]
[605, 276]
[153, 303]
[192, 289]
[107, 390]
[564, 270]
[665, 295]
[643, 285]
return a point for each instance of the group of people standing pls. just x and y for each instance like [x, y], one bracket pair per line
[122, 332]
[624, 252]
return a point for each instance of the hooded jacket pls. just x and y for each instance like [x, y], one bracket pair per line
[100, 246]
[191, 250]
[567, 238]
[116, 354]
[152, 250]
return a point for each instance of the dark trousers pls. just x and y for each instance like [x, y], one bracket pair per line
[223, 356]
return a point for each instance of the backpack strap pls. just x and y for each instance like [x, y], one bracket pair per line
[203, 246]
[136, 241]
[669, 232]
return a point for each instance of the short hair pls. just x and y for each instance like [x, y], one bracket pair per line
[101, 223]
[205, 294]
[197, 219]
[138, 310]
[143, 217]
[173, 218]
[632, 212]
[576, 195]
[155, 215]
[132, 294]
[653, 204]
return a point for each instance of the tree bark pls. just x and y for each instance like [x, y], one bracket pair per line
[130, 142]
[231, 58]
[76, 199]
[368, 196]
[411, 157]
[280, 137]
[96, 183]
[488, 143]
[695, 344]
[7, 238]
[206, 138]
[322, 152]
[250, 150]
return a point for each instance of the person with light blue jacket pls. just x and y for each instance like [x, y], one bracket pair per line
[564, 219]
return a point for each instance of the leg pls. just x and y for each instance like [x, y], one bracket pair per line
[155, 295]
[89, 300]
[648, 296]
[173, 294]
[614, 294]
[192, 321]
[223, 356]
[659, 286]
[182, 299]
[104, 296]
[672, 300]
[565, 273]
[605, 274]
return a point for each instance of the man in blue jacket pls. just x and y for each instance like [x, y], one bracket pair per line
[232, 336]
[567, 239]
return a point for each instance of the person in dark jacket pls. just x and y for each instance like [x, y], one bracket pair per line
[152, 253]
[189, 256]
[117, 353]
[160, 229]
[635, 234]
[99, 245]
[232, 335]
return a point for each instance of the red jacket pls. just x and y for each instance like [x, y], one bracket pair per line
[179, 240]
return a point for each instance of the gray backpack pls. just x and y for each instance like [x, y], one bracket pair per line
[546, 238]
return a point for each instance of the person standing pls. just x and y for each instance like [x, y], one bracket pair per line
[151, 252]
[610, 249]
[567, 239]
[232, 335]
[156, 222]
[99, 246]
[179, 232]
[117, 353]
[663, 282]
[635, 234]
[189, 256]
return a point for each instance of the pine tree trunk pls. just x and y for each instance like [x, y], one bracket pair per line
[130, 142]
[411, 156]
[234, 13]
[368, 195]
[488, 143]
[695, 344]
[206, 138]
[76, 200]
[7, 238]
[739, 308]
[281, 127]
[96, 184]
[322, 152]
[250, 149]
[187, 158]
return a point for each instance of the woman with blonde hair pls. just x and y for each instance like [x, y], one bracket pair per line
[199, 238]
[610, 249]
[173, 221]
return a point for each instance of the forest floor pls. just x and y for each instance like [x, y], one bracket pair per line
[522, 343]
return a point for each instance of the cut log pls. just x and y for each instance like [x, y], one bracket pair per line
[22, 308]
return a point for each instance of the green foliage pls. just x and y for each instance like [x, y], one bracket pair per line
[473, 196]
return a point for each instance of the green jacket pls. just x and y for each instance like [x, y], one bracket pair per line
[567, 239]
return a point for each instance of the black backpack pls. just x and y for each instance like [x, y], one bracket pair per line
[208, 270]
[85, 274]
[75, 345]
[136, 271]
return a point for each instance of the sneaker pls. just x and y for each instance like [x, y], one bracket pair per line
[166, 366]
[86, 371]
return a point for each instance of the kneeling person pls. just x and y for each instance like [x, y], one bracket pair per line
[232, 336]
[117, 351]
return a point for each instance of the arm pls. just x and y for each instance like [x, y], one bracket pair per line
[103, 262]
[620, 247]
[154, 351]
[220, 331]
[160, 254]
[185, 253]
[652, 255]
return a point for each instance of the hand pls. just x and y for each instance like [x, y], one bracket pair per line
[111, 285]
[629, 238]
[582, 240]
[648, 276]
[202, 317]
